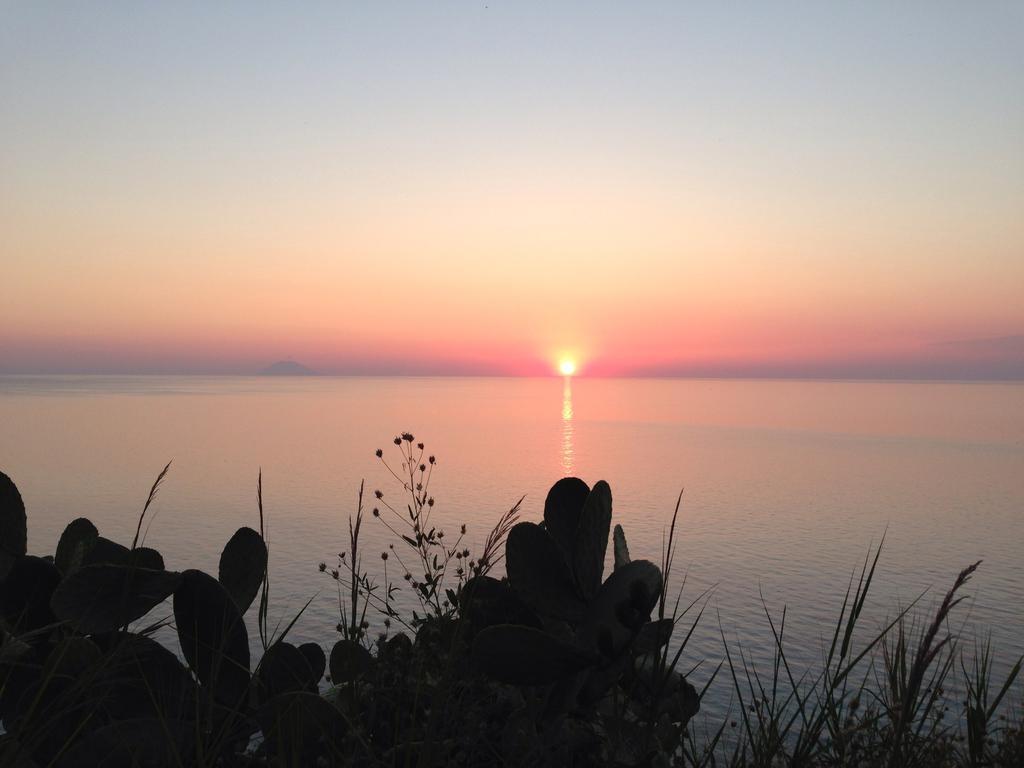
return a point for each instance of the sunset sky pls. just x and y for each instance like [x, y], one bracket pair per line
[814, 189]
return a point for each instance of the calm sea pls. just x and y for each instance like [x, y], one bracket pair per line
[787, 483]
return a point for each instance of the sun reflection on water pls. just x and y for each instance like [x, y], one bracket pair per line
[567, 428]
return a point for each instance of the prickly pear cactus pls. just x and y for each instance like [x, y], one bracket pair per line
[588, 631]
[13, 524]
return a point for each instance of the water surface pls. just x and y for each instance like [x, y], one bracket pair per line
[787, 484]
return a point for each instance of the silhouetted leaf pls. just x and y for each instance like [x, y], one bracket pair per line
[652, 636]
[144, 557]
[591, 541]
[621, 607]
[102, 598]
[621, 550]
[104, 550]
[143, 678]
[316, 659]
[242, 565]
[26, 592]
[78, 538]
[349, 660]
[13, 524]
[537, 571]
[485, 601]
[72, 657]
[562, 510]
[526, 656]
[665, 690]
[282, 669]
[398, 645]
[212, 635]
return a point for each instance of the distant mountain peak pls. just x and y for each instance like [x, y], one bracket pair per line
[287, 368]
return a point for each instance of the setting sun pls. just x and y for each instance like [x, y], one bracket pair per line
[567, 367]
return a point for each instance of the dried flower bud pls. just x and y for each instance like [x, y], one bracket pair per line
[423, 467]
[378, 494]
[334, 575]
[431, 459]
[398, 441]
[383, 555]
[376, 512]
[407, 436]
[430, 501]
[379, 453]
[463, 529]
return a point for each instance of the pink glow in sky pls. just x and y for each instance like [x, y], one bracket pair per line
[676, 191]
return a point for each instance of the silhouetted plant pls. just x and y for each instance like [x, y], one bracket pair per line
[556, 663]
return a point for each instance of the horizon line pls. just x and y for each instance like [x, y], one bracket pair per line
[852, 378]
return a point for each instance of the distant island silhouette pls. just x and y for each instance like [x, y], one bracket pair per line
[287, 368]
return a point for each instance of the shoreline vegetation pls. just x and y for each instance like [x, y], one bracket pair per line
[559, 660]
